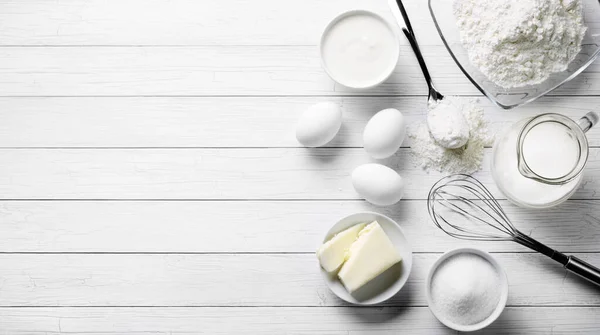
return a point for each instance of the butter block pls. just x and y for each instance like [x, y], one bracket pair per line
[369, 256]
[335, 251]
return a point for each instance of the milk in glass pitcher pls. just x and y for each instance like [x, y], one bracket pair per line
[538, 162]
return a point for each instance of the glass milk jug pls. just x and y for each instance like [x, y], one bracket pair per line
[538, 162]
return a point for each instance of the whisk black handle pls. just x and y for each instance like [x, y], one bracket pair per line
[570, 263]
[583, 269]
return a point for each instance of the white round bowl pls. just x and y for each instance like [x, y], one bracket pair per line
[387, 284]
[343, 16]
[501, 303]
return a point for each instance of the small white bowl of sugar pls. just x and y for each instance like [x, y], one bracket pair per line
[466, 289]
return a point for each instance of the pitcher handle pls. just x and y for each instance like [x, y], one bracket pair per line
[588, 121]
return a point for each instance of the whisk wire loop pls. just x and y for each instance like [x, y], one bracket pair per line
[467, 197]
[472, 205]
[451, 205]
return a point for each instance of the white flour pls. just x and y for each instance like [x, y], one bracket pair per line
[447, 124]
[520, 42]
[430, 155]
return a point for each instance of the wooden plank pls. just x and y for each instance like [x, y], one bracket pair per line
[219, 122]
[246, 280]
[192, 71]
[215, 174]
[185, 22]
[146, 321]
[220, 71]
[250, 226]
[270, 320]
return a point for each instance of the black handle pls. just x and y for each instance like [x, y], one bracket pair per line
[583, 269]
[412, 39]
[405, 17]
[415, 47]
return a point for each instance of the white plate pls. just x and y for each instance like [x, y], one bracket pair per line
[387, 284]
[503, 284]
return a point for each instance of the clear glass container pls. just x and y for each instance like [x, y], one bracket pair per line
[441, 11]
[538, 162]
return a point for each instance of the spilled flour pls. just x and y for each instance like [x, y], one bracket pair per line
[431, 156]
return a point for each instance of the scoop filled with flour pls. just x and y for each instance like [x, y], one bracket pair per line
[430, 154]
[515, 43]
[447, 124]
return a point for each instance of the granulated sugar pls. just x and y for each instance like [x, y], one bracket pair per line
[465, 289]
[430, 155]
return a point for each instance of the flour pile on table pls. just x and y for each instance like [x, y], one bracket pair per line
[430, 155]
[520, 42]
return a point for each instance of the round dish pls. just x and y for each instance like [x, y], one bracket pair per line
[501, 303]
[395, 50]
[384, 286]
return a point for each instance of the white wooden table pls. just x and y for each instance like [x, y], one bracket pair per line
[150, 182]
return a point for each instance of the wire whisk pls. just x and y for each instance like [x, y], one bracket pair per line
[463, 208]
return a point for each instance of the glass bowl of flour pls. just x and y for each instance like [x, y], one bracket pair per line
[516, 51]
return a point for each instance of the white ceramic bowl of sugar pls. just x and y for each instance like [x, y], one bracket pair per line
[503, 288]
[386, 285]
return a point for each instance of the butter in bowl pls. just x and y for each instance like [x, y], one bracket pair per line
[365, 258]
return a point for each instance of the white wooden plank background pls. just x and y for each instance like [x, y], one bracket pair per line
[150, 181]
[293, 173]
[188, 122]
[220, 71]
[278, 320]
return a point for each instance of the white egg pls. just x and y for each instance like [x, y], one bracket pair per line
[384, 133]
[378, 184]
[319, 124]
